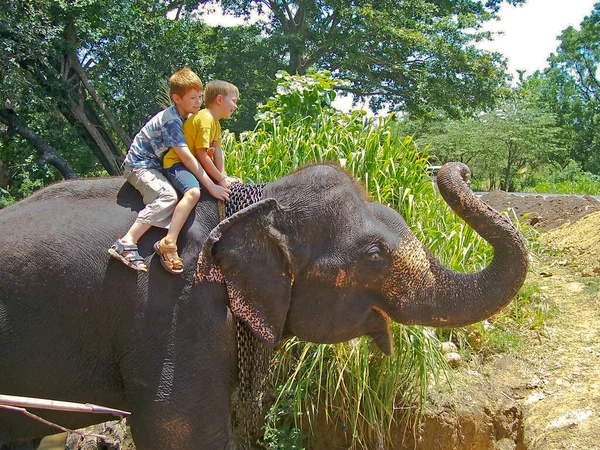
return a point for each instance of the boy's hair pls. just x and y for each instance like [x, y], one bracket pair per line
[183, 81]
[218, 87]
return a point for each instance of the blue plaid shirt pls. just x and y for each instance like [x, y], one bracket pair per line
[149, 146]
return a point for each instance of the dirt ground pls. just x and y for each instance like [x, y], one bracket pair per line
[562, 406]
[544, 212]
[547, 396]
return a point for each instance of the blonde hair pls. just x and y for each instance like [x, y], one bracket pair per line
[183, 81]
[218, 87]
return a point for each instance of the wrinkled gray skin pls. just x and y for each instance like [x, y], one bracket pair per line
[314, 259]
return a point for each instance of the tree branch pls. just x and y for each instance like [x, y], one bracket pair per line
[46, 154]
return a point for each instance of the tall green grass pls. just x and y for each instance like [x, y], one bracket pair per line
[356, 386]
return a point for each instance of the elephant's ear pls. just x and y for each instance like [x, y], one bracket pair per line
[249, 255]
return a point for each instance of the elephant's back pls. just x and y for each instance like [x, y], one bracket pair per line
[81, 207]
[79, 189]
[68, 227]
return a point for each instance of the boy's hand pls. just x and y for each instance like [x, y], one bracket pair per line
[219, 192]
[225, 182]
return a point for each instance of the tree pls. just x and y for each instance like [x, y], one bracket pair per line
[41, 42]
[83, 77]
[570, 87]
[418, 55]
[504, 145]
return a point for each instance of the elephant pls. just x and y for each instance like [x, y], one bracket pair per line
[310, 257]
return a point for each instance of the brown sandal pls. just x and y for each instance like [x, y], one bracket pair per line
[169, 258]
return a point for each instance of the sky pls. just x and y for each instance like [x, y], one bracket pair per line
[531, 31]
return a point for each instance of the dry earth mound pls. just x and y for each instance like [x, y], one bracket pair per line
[545, 212]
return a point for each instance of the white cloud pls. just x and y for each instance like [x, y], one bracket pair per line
[531, 30]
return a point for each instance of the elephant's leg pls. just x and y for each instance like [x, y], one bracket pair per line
[182, 423]
[179, 397]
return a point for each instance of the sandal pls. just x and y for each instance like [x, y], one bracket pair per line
[128, 254]
[169, 258]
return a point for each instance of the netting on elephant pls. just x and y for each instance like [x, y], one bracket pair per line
[254, 358]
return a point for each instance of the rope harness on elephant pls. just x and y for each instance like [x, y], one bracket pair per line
[254, 358]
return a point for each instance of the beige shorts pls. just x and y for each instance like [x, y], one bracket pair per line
[159, 196]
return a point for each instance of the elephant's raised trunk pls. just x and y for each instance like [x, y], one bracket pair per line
[444, 298]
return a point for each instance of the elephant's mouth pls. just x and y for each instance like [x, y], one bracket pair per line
[382, 336]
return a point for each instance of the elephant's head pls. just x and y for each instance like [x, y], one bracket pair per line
[317, 260]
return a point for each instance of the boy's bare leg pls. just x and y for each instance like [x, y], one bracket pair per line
[167, 247]
[180, 215]
[135, 233]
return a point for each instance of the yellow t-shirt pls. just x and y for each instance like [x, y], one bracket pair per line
[201, 130]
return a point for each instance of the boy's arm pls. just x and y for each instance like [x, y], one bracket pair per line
[220, 160]
[192, 164]
[211, 167]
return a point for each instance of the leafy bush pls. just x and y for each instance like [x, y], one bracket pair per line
[5, 198]
[298, 97]
[570, 179]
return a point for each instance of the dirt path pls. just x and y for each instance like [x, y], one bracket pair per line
[554, 379]
[562, 410]
[561, 403]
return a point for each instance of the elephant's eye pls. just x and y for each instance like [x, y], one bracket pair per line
[375, 259]
[374, 254]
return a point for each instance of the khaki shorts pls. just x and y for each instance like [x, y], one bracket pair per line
[159, 196]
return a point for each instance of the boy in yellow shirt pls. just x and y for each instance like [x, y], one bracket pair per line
[202, 133]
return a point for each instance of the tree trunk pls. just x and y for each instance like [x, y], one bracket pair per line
[76, 65]
[507, 170]
[47, 154]
[4, 174]
[79, 111]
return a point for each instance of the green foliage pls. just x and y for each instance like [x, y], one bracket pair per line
[356, 385]
[415, 55]
[281, 425]
[5, 198]
[570, 179]
[127, 49]
[570, 88]
[298, 97]
[502, 147]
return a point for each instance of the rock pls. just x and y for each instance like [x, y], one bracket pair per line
[504, 444]
[448, 347]
[453, 358]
